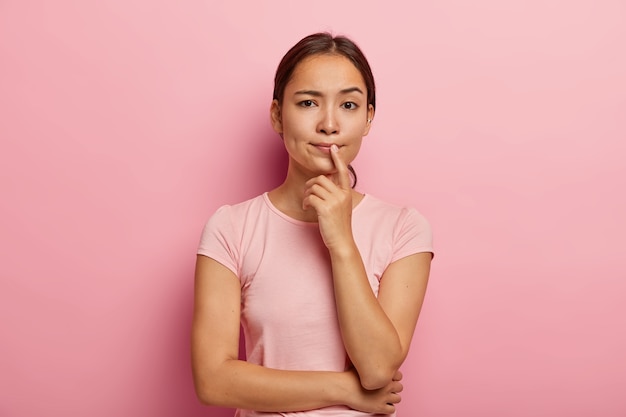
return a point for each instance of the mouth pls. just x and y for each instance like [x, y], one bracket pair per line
[324, 147]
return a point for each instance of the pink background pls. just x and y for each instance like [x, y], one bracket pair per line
[125, 124]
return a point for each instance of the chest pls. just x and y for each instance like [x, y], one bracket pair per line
[287, 281]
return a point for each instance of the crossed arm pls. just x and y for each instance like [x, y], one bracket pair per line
[222, 379]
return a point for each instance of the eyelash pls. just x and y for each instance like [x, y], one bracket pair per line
[310, 103]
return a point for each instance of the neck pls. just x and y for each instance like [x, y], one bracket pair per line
[288, 197]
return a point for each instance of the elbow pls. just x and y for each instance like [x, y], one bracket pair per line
[207, 393]
[375, 375]
[206, 396]
[209, 385]
[203, 394]
[376, 379]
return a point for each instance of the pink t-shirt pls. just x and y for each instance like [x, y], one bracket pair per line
[288, 310]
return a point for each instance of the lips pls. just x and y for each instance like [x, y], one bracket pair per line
[324, 147]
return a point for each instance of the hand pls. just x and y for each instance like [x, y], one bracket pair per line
[380, 401]
[331, 198]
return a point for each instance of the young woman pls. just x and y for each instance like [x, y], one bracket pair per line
[327, 282]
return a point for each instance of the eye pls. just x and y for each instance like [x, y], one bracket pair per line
[307, 103]
[349, 105]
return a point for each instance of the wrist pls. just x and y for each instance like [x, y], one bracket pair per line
[345, 388]
[342, 251]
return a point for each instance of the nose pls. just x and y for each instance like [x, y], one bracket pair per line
[328, 123]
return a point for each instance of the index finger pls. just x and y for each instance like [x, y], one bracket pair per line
[343, 176]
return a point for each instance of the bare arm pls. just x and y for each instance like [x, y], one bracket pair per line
[223, 380]
[376, 332]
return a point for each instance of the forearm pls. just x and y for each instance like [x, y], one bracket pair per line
[239, 384]
[369, 336]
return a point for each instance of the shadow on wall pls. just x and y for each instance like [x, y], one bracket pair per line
[171, 381]
[257, 163]
[262, 167]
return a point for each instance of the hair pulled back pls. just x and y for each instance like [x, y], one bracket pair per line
[324, 43]
[319, 44]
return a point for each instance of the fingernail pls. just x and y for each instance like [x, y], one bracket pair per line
[334, 148]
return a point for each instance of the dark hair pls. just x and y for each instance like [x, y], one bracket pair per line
[324, 43]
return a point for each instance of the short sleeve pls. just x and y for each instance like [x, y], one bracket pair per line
[412, 234]
[218, 240]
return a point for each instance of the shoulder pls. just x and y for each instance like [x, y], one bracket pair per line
[229, 218]
[238, 210]
[224, 229]
[405, 227]
[375, 208]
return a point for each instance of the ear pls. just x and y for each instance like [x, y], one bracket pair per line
[370, 119]
[276, 117]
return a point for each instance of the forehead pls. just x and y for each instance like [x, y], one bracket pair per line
[325, 71]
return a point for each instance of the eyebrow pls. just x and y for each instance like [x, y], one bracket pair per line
[319, 94]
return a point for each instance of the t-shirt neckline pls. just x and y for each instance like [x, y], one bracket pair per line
[290, 219]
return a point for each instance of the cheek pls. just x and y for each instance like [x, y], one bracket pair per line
[290, 127]
[354, 151]
[296, 130]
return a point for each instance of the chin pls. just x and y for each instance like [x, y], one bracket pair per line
[325, 169]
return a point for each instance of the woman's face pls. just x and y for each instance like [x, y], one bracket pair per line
[325, 103]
